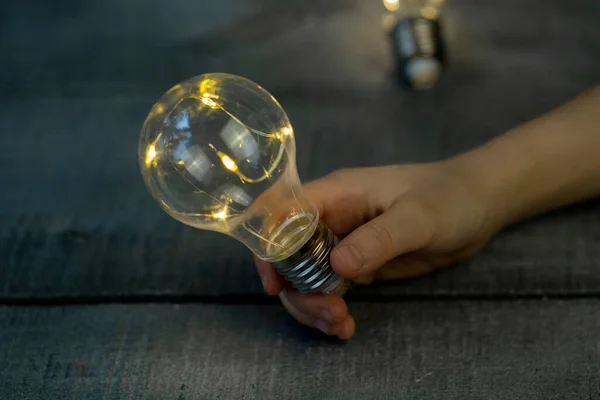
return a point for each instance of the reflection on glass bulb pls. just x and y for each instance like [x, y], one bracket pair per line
[217, 152]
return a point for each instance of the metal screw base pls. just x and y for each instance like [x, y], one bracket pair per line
[309, 269]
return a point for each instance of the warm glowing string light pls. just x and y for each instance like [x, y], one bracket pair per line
[206, 99]
[228, 162]
[150, 154]
[221, 214]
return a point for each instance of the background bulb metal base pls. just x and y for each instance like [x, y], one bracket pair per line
[309, 269]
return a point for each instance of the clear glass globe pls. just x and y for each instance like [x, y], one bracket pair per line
[217, 152]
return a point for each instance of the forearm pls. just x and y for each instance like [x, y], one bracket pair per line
[547, 163]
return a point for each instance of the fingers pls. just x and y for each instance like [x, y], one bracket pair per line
[327, 313]
[398, 231]
[330, 309]
[347, 330]
[341, 200]
[272, 282]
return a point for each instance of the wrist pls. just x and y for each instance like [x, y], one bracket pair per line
[546, 163]
[490, 182]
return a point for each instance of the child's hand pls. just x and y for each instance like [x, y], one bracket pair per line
[402, 221]
[395, 222]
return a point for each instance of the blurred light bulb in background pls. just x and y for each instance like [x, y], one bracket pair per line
[416, 32]
[217, 152]
[391, 5]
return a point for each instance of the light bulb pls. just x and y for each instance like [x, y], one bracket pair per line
[217, 152]
[391, 5]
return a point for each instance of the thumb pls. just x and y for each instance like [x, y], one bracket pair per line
[395, 232]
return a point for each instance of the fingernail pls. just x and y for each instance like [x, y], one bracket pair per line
[326, 315]
[322, 325]
[348, 257]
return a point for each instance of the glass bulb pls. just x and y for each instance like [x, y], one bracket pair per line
[217, 152]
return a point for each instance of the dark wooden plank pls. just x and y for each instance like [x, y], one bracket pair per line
[49, 258]
[434, 350]
[125, 47]
[76, 220]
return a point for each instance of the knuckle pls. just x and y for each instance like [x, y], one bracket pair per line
[381, 234]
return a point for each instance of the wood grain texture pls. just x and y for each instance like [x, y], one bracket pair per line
[59, 258]
[434, 350]
[75, 219]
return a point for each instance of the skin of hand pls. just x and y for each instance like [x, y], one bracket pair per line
[407, 220]
[394, 222]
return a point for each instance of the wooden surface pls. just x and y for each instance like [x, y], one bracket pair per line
[53, 259]
[77, 221]
[414, 350]
[90, 267]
